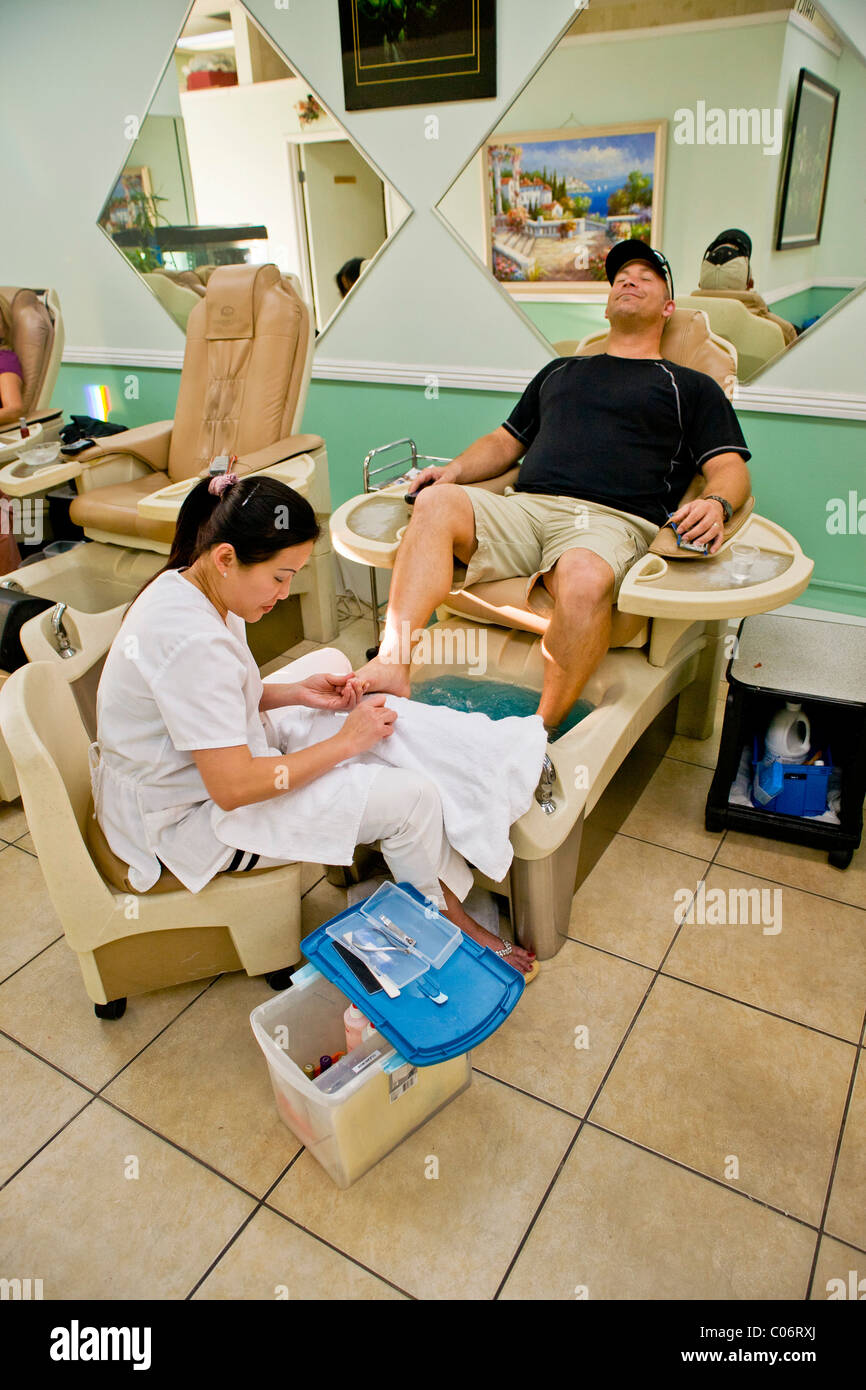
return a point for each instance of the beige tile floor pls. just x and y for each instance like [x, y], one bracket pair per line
[675, 1110]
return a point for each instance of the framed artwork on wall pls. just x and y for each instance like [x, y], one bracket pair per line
[558, 200]
[807, 164]
[415, 52]
[132, 193]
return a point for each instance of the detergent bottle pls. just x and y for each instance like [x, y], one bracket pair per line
[789, 735]
[787, 741]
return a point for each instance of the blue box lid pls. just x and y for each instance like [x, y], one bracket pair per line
[482, 990]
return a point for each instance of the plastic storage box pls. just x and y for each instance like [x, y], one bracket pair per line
[803, 789]
[821, 665]
[360, 1109]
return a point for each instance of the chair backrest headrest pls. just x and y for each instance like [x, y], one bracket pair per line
[756, 339]
[686, 339]
[246, 368]
[31, 334]
[750, 298]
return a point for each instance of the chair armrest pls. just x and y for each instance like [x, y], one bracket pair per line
[274, 453]
[148, 443]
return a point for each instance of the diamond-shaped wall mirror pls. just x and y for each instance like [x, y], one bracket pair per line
[673, 131]
[237, 160]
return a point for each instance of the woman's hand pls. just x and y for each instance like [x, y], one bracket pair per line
[368, 725]
[330, 692]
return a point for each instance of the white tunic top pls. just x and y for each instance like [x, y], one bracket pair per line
[178, 678]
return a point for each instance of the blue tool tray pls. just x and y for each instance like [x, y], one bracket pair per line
[804, 787]
[482, 990]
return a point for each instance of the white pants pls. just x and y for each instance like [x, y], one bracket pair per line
[404, 813]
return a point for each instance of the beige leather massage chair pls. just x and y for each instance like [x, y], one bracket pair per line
[755, 303]
[128, 943]
[757, 340]
[242, 391]
[36, 334]
[661, 675]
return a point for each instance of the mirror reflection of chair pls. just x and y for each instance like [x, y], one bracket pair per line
[36, 337]
[128, 943]
[660, 676]
[755, 303]
[757, 340]
[176, 297]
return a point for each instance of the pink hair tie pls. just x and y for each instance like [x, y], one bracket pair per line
[218, 484]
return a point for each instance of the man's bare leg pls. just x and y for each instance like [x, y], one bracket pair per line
[521, 959]
[442, 526]
[577, 638]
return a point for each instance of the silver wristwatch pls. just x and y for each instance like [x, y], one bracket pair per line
[723, 502]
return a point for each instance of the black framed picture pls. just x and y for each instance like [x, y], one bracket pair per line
[417, 52]
[807, 166]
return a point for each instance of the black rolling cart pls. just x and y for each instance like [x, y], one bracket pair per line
[823, 666]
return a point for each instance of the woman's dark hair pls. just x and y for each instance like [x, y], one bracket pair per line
[258, 516]
[348, 274]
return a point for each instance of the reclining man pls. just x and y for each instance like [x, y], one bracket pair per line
[609, 445]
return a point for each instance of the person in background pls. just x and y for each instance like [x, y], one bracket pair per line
[11, 410]
[726, 272]
[11, 375]
[348, 274]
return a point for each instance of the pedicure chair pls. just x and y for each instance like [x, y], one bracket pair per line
[660, 676]
[36, 334]
[242, 391]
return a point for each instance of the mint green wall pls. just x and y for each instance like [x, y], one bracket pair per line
[798, 464]
[558, 321]
[157, 392]
[808, 304]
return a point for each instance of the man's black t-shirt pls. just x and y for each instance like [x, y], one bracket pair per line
[625, 432]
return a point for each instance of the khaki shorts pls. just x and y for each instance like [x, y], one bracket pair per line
[522, 533]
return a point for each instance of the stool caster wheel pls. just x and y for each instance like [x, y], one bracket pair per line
[371, 652]
[115, 1008]
[840, 858]
[281, 979]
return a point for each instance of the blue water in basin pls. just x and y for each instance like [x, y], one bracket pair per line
[497, 699]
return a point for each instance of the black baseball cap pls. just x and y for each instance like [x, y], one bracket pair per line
[727, 245]
[633, 249]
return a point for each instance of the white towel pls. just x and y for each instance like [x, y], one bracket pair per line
[486, 771]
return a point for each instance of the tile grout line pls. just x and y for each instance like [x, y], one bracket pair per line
[576, 1136]
[588, 1111]
[242, 1227]
[713, 862]
[40, 952]
[834, 1165]
[657, 1153]
[353, 1259]
[259, 1201]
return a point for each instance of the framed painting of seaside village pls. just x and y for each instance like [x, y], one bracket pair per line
[558, 200]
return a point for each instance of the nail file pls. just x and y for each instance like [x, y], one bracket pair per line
[358, 968]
